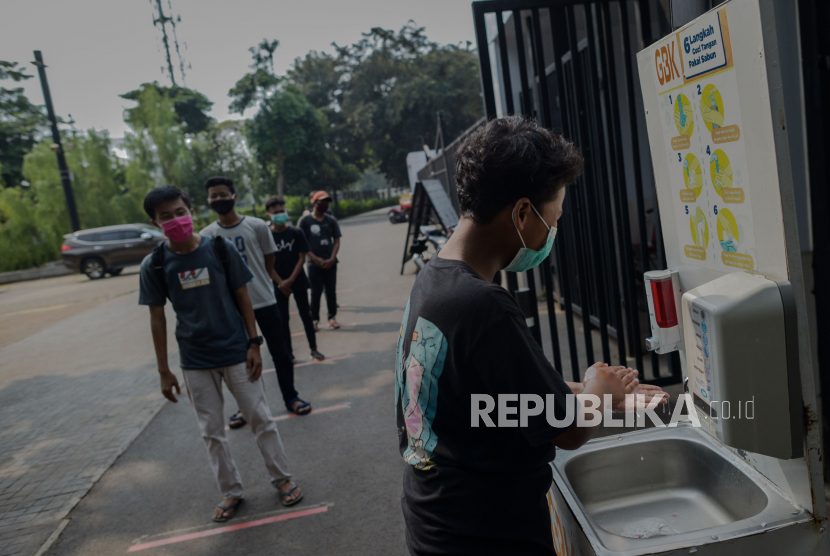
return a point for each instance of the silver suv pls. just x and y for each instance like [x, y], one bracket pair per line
[100, 251]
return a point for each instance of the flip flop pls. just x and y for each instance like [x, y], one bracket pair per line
[237, 421]
[232, 507]
[299, 411]
[284, 495]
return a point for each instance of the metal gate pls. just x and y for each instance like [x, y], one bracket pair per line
[571, 66]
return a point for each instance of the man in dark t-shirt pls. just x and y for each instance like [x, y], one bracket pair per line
[323, 234]
[206, 281]
[471, 488]
[288, 264]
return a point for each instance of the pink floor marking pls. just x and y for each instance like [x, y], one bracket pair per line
[228, 529]
[313, 412]
[323, 362]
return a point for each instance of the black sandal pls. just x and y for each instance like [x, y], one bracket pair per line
[300, 408]
[229, 508]
[237, 421]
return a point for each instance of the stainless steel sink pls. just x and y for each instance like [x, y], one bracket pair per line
[666, 488]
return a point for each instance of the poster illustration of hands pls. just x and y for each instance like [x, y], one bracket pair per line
[701, 118]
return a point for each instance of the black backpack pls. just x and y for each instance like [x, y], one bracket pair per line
[219, 246]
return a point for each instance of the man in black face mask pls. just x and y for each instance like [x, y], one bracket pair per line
[252, 238]
[323, 235]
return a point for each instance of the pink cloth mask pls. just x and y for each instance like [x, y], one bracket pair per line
[178, 229]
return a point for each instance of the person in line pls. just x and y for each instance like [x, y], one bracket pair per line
[323, 234]
[480, 489]
[289, 259]
[252, 238]
[309, 207]
[206, 281]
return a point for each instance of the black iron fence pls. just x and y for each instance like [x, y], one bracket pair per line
[571, 66]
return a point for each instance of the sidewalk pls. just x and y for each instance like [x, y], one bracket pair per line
[73, 396]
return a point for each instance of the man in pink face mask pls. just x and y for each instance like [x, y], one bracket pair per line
[206, 281]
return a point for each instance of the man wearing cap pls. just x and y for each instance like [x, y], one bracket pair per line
[323, 234]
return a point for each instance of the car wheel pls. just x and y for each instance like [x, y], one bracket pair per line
[115, 271]
[93, 268]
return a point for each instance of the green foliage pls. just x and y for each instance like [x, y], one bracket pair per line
[190, 107]
[288, 135]
[350, 207]
[254, 87]
[33, 221]
[334, 121]
[294, 206]
[383, 92]
[22, 242]
[21, 123]
[371, 180]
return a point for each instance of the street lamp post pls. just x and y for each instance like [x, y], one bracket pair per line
[56, 145]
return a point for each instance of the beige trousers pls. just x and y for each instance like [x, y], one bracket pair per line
[204, 387]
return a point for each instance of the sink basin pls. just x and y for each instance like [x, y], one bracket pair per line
[659, 487]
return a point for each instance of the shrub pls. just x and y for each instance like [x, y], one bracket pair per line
[350, 207]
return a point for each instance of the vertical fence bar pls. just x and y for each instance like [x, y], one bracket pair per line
[560, 29]
[605, 216]
[520, 50]
[593, 37]
[566, 226]
[507, 84]
[484, 61]
[638, 174]
[589, 196]
[546, 266]
[629, 278]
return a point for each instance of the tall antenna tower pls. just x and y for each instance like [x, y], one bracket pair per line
[161, 20]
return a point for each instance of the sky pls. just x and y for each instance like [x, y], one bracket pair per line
[96, 50]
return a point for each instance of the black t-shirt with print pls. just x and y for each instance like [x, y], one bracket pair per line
[471, 490]
[320, 234]
[290, 243]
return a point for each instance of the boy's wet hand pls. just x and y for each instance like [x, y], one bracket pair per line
[609, 380]
[645, 396]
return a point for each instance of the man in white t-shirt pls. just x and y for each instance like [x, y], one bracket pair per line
[252, 238]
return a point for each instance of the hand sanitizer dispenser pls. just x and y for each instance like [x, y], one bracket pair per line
[663, 297]
[742, 363]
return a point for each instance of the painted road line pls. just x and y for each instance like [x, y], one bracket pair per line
[342, 327]
[312, 412]
[323, 362]
[229, 529]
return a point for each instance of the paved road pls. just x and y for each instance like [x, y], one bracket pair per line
[79, 389]
[75, 391]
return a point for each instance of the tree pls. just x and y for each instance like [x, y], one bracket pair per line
[382, 94]
[254, 87]
[190, 106]
[286, 126]
[21, 124]
[288, 135]
[157, 140]
[222, 150]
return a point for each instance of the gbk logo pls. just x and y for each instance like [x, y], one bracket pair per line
[665, 61]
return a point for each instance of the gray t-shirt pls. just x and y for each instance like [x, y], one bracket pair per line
[252, 238]
[209, 328]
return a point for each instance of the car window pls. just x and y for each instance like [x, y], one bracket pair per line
[153, 232]
[131, 234]
[111, 236]
[90, 238]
